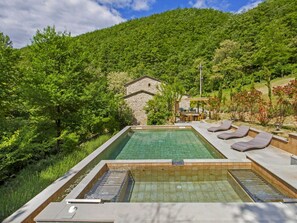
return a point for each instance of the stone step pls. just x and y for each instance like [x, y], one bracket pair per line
[258, 189]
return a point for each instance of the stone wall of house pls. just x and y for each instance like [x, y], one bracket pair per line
[145, 84]
[137, 103]
[184, 102]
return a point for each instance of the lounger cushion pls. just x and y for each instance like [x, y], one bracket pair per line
[242, 131]
[261, 140]
[225, 126]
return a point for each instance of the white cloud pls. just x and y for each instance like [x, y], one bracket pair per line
[116, 3]
[200, 4]
[137, 5]
[142, 4]
[252, 4]
[20, 19]
[215, 4]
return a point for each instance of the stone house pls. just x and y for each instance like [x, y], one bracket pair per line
[138, 93]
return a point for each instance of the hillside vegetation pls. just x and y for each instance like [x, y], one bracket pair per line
[233, 48]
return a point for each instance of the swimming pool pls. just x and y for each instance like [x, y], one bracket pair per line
[175, 144]
[198, 182]
[176, 186]
[195, 184]
[219, 182]
[150, 143]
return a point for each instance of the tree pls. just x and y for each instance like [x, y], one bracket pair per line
[116, 82]
[246, 101]
[273, 49]
[292, 86]
[161, 108]
[157, 111]
[286, 101]
[214, 104]
[267, 78]
[9, 59]
[64, 101]
[226, 63]
[172, 93]
[6, 66]
[55, 81]
[9, 112]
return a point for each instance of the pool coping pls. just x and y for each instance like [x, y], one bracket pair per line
[171, 212]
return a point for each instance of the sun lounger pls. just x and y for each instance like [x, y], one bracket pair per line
[242, 131]
[225, 126]
[261, 140]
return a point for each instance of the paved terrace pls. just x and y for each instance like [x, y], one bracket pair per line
[172, 212]
[271, 158]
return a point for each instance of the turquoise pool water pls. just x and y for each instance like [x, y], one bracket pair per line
[166, 144]
[167, 185]
[175, 144]
[183, 184]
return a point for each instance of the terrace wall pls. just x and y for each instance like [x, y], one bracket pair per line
[289, 145]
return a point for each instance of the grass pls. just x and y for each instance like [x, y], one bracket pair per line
[36, 177]
[276, 82]
[261, 86]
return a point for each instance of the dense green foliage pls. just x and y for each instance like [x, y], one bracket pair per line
[233, 48]
[161, 109]
[52, 100]
[36, 177]
[164, 46]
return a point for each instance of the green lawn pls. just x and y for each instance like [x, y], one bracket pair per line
[36, 177]
[261, 86]
[276, 82]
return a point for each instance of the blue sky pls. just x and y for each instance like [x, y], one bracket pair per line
[21, 19]
[159, 6]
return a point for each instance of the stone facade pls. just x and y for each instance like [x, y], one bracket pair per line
[138, 93]
[184, 102]
[143, 84]
[137, 103]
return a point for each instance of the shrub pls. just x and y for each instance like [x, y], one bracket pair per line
[214, 104]
[285, 104]
[246, 103]
[19, 149]
[263, 115]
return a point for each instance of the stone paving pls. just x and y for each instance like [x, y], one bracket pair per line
[273, 159]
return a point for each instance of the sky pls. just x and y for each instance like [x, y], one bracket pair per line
[21, 19]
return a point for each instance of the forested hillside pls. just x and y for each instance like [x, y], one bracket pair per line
[164, 46]
[232, 47]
